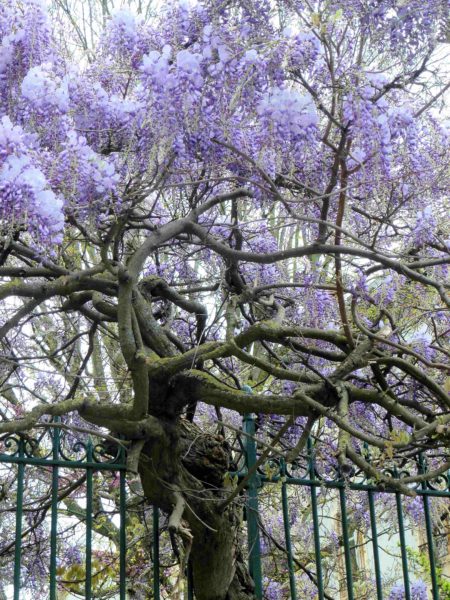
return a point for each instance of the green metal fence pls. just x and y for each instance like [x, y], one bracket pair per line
[72, 454]
[90, 458]
[311, 479]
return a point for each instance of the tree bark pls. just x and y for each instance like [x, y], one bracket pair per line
[193, 463]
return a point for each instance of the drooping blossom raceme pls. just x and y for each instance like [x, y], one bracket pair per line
[44, 93]
[304, 49]
[92, 178]
[24, 189]
[121, 32]
[288, 112]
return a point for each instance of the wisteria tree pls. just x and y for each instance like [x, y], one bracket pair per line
[225, 197]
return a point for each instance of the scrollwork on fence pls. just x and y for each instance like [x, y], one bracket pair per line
[58, 442]
[316, 466]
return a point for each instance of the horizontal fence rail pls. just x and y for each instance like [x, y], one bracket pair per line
[56, 450]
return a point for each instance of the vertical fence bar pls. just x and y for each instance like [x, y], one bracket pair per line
[376, 554]
[430, 544]
[347, 555]
[315, 516]
[18, 537]
[401, 530]
[287, 533]
[122, 533]
[190, 582]
[54, 513]
[155, 541]
[252, 509]
[429, 532]
[89, 521]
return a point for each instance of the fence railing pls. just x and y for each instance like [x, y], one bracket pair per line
[310, 478]
[57, 451]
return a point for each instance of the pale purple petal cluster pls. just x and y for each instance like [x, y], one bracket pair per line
[122, 32]
[86, 178]
[24, 189]
[418, 591]
[43, 91]
[288, 111]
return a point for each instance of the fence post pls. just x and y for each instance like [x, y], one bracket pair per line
[89, 519]
[346, 540]
[315, 518]
[252, 511]
[54, 514]
[401, 533]
[19, 514]
[429, 531]
[156, 565]
[287, 530]
[376, 553]
[374, 531]
[123, 528]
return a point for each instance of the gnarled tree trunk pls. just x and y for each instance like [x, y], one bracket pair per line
[191, 463]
